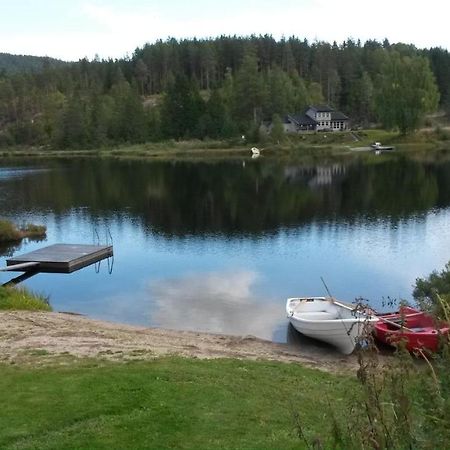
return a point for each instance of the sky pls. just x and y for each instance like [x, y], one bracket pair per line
[74, 29]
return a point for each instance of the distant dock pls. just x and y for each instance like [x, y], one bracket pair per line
[59, 258]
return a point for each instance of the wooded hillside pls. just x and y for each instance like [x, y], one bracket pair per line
[219, 88]
[24, 63]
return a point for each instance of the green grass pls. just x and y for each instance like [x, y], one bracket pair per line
[372, 135]
[21, 299]
[165, 403]
[422, 139]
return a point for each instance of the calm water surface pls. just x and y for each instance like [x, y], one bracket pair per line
[219, 246]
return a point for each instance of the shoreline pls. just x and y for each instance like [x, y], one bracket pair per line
[297, 147]
[183, 154]
[25, 335]
[303, 156]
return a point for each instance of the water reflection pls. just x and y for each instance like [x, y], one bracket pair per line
[7, 173]
[8, 248]
[177, 199]
[215, 302]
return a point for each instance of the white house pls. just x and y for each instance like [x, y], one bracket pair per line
[327, 118]
[315, 118]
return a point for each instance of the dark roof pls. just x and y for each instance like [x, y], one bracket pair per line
[301, 119]
[337, 115]
[322, 108]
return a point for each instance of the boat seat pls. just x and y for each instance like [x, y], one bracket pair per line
[318, 315]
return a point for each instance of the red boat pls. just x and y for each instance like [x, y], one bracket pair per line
[419, 330]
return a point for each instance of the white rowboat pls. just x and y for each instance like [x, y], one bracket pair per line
[329, 321]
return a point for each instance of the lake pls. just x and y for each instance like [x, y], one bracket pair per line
[219, 246]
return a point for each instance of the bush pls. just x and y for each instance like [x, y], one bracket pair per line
[426, 290]
[21, 299]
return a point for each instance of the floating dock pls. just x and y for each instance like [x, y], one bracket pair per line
[59, 258]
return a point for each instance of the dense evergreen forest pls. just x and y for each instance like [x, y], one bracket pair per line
[24, 63]
[219, 88]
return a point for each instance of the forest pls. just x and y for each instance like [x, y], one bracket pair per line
[218, 88]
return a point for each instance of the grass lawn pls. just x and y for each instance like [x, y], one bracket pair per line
[165, 403]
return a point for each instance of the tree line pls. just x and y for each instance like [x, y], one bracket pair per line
[219, 88]
[21, 63]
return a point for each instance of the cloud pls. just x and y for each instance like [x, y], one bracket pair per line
[215, 302]
[69, 46]
[116, 28]
[115, 19]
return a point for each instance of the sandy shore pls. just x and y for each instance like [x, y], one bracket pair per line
[52, 334]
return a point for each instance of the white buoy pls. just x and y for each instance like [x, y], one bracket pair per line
[255, 151]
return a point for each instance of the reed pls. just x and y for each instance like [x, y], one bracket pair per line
[10, 233]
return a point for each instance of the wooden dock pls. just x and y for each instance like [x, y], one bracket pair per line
[59, 258]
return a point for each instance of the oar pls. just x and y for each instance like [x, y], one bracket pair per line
[390, 322]
[333, 300]
[398, 325]
[343, 305]
[402, 316]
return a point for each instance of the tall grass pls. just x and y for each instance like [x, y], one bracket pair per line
[404, 401]
[10, 233]
[12, 298]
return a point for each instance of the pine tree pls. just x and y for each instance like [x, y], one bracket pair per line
[215, 116]
[182, 108]
[141, 73]
[248, 90]
[73, 128]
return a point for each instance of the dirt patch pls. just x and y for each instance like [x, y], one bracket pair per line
[52, 334]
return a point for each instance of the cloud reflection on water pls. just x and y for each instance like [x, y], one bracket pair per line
[215, 302]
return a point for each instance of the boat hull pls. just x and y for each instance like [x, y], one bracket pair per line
[320, 319]
[415, 329]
